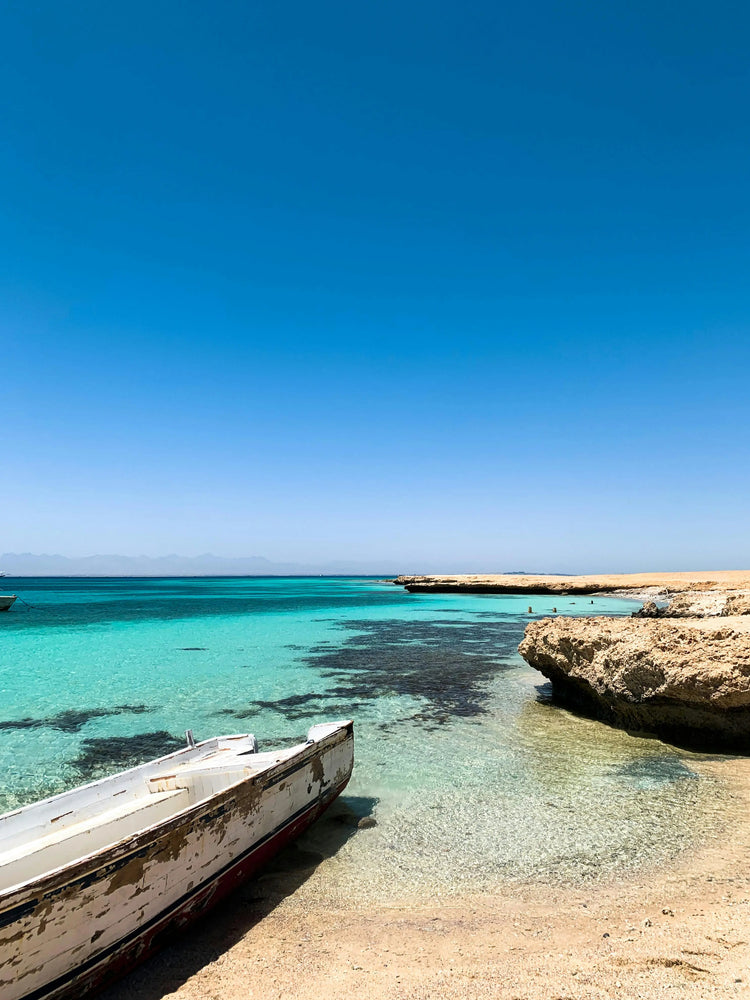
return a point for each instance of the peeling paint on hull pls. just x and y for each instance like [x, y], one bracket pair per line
[75, 930]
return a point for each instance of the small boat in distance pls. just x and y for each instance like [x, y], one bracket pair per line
[92, 879]
[6, 600]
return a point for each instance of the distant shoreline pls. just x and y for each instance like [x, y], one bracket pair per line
[624, 584]
[198, 576]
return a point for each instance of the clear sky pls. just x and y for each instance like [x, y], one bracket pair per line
[440, 285]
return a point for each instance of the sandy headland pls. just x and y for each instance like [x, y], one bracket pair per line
[611, 583]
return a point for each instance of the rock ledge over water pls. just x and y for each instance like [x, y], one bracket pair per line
[685, 680]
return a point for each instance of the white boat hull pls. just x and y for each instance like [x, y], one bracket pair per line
[78, 927]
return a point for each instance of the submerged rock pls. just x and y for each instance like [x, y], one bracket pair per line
[649, 610]
[687, 681]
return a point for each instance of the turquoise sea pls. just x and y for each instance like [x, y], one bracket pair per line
[473, 776]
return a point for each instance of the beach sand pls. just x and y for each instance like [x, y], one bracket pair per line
[682, 931]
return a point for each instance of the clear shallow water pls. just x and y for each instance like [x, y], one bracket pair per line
[473, 778]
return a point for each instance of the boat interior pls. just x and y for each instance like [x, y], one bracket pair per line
[55, 832]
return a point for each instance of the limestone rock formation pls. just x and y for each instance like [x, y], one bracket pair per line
[688, 681]
[699, 604]
[649, 610]
[738, 604]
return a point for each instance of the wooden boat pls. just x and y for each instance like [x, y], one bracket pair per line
[6, 600]
[92, 879]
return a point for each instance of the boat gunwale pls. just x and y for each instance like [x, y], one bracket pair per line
[117, 852]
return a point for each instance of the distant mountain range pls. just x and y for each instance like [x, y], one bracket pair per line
[28, 564]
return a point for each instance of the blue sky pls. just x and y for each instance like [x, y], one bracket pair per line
[419, 285]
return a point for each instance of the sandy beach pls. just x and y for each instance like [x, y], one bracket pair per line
[683, 927]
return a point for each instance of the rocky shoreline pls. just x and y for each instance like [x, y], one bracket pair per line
[623, 584]
[679, 668]
[687, 681]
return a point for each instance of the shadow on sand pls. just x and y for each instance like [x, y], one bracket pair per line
[220, 928]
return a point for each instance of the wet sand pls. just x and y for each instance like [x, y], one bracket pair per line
[684, 928]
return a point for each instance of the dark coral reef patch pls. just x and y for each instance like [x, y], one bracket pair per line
[445, 665]
[72, 720]
[104, 754]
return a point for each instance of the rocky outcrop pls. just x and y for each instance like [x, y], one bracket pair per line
[649, 610]
[688, 682]
[738, 604]
[698, 604]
